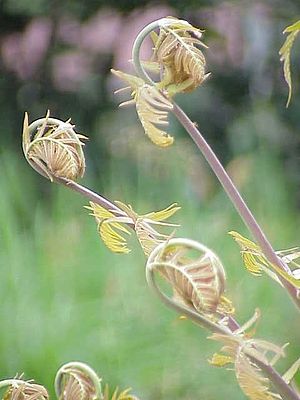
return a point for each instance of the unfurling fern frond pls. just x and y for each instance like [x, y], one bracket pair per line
[76, 387]
[152, 108]
[117, 395]
[18, 389]
[285, 54]
[77, 381]
[112, 225]
[246, 355]
[53, 148]
[183, 62]
[231, 343]
[249, 375]
[256, 262]
[251, 380]
[194, 272]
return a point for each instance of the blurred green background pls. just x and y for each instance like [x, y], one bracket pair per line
[63, 295]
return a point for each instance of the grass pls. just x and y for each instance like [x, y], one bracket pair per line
[65, 297]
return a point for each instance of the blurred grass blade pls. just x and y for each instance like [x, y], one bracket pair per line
[291, 372]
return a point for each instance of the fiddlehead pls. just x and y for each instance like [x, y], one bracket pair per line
[53, 148]
[77, 381]
[19, 389]
[195, 273]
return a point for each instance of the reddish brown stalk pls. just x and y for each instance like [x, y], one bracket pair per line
[235, 198]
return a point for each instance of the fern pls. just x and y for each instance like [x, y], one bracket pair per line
[285, 54]
[245, 354]
[113, 224]
[248, 373]
[117, 395]
[53, 148]
[195, 273]
[184, 63]
[76, 387]
[256, 262]
[24, 390]
[152, 108]
[251, 380]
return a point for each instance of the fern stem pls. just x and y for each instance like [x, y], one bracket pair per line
[136, 48]
[11, 382]
[278, 382]
[285, 390]
[235, 197]
[89, 194]
[181, 309]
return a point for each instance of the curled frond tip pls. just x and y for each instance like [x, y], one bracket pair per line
[195, 274]
[77, 381]
[53, 148]
[19, 389]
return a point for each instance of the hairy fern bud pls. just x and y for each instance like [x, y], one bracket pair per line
[77, 381]
[176, 56]
[182, 62]
[195, 273]
[53, 148]
[19, 389]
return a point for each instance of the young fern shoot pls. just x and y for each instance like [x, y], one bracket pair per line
[18, 388]
[195, 273]
[55, 150]
[73, 381]
[182, 68]
[285, 55]
[198, 282]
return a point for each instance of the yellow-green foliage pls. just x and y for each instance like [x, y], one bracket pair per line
[255, 261]
[285, 54]
[111, 225]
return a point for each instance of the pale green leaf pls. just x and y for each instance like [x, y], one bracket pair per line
[163, 214]
[220, 360]
[113, 224]
[117, 395]
[152, 108]
[256, 262]
[285, 54]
